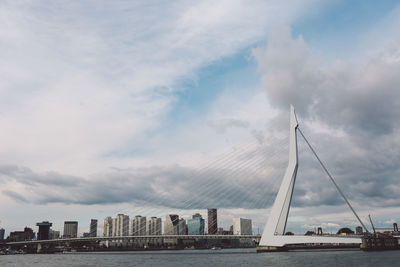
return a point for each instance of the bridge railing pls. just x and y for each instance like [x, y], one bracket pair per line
[109, 238]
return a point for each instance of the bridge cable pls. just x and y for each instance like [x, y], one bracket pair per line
[333, 180]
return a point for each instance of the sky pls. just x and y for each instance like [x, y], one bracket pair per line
[153, 107]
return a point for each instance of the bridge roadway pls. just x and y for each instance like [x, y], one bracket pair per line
[146, 237]
[301, 238]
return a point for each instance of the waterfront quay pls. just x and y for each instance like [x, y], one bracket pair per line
[125, 243]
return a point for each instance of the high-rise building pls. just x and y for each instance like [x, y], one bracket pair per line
[2, 232]
[107, 226]
[93, 228]
[70, 229]
[114, 226]
[120, 225]
[196, 225]
[212, 221]
[242, 226]
[182, 227]
[44, 230]
[171, 224]
[138, 227]
[153, 226]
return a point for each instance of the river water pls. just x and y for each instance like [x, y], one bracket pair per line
[225, 257]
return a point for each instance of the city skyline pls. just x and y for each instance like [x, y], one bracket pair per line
[176, 107]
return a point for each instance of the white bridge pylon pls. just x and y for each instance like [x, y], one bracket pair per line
[274, 231]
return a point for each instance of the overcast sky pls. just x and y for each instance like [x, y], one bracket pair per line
[151, 107]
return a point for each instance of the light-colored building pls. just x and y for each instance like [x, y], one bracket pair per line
[121, 225]
[242, 226]
[171, 224]
[114, 226]
[107, 226]
[70, 229]
[153, 226]
[138, 226]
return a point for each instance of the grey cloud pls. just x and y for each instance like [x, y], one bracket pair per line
[358, 98]
[361, 100]
[15, 195]
[243, 180]
[27, 176]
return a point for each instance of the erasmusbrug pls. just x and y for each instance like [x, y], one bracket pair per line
[243, 178]
[273, 237]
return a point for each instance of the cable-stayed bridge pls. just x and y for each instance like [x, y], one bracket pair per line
[221, 183]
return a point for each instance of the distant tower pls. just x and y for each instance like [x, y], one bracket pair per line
[44, 230]
[153, 226]
[138, 226]
[70, 229]
[195, 225]
[212, 221]
[171, 224]
[93, 228]
[107, 226]
[2, 232]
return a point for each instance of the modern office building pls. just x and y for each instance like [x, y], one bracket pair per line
[44, 230]
[93, 228]
[107, 226]
[70, 229]
[153, 226]
[196, 225]
[138, 226]
[242, 226]
[182, 227]
[212, 221]
[2, 233]
[171, 224]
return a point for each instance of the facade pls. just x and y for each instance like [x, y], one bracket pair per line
[212, 221]
[54, 234]
[242, 226]
[171, 224]
[196, 225]
[138, 227]
[120, 225]
[114, 227]
[221, 231]
[2, 233]
[70, 229]
[359, 230]
[153, 226]
[93, 228]
[17, 236]
[44, 230]
[182, 227]
[107, 226]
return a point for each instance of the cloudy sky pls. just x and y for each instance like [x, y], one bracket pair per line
[151, 107]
